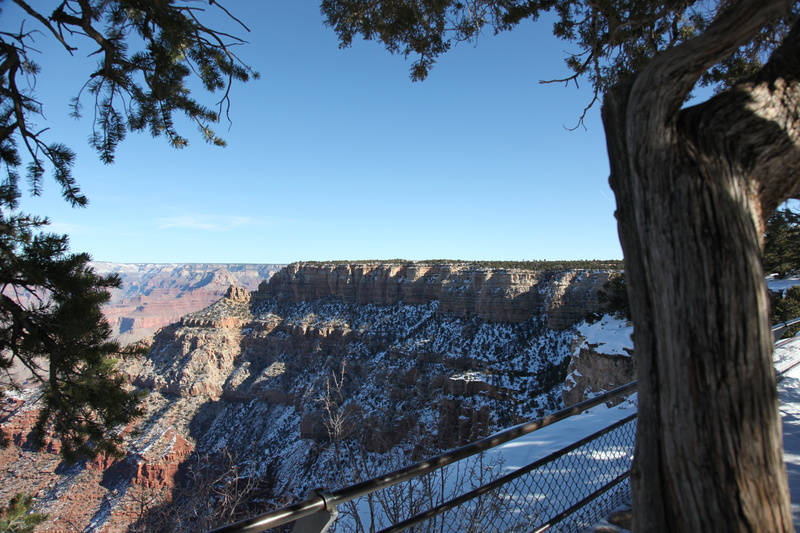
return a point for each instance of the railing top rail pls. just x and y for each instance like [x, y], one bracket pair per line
[432, 464]
[276, 518]
[329, 500]
[778, 329]
[790, 322]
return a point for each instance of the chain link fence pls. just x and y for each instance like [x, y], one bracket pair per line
[472, 490]
[567, 491]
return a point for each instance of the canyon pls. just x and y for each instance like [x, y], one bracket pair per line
[154, 295]
[323, 375]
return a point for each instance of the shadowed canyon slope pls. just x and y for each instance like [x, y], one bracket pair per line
[325, 375]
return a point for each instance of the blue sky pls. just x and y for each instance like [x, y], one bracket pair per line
[336, 154]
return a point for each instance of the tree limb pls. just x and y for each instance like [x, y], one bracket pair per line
[662, 86]
[46, 23]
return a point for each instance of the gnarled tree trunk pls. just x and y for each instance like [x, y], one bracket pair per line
[693, 188]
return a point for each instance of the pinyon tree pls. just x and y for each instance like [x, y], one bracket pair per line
[694, 186]
[148, 53]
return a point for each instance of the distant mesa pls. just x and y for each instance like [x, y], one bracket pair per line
[495, 294]
[154, 295]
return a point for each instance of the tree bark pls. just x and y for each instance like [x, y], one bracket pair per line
[693, 188]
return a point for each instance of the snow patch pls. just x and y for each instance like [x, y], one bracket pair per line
[781, 285]
[609, 335]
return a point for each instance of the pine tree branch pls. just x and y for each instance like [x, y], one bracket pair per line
[46, 23]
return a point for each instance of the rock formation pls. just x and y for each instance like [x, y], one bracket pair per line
[602, 359]
[155, 295]
[496, 295]
[388, 362]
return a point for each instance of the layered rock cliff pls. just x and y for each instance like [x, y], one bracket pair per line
[495, 295]
[325, 375]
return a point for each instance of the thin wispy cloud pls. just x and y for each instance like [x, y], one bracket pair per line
[215, 222]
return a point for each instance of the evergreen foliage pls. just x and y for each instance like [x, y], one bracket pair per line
[611, 40]
[17, 518]
[782, 243]
[612, 299]
[53, 325]
[781, 257]
[149, 51]
[787, 306]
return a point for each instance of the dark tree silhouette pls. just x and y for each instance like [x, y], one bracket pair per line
[50, 304]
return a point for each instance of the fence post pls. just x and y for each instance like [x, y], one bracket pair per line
[318, 522]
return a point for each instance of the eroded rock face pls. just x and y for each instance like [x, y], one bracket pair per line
[496, 295]
[155, 295]
[602, 360]
[105, 494]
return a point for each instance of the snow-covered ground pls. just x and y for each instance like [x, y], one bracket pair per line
[776, 284]
[609, 335]
[554, 487]
[543, 442]
[789, 395]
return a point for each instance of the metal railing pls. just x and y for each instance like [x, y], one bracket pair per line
[779, 329]
[572, 487]
[589, 477]
[316, 513]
